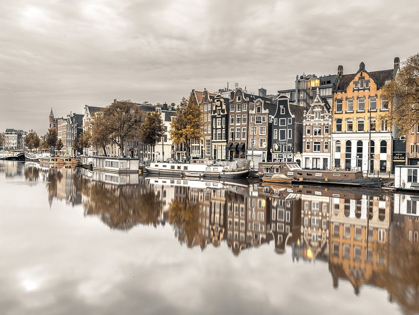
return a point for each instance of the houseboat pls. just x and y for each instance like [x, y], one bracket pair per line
[197, 170]
[55, 161]
[15, 156]
[406, 177]
[111, 164]
[298, 176]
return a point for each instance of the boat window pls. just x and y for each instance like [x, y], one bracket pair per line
[185, 168]
[172, 167]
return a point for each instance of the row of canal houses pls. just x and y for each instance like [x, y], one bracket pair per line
[328, 122]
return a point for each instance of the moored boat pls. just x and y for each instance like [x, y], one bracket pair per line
[278, 179]
[321, 177]
[15, 157]
[196, 170]
[51, 161]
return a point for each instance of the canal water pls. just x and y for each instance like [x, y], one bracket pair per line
[77, 242]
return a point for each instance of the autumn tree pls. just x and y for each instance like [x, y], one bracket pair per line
[123, 120]
[186, 125]
[51, 137]
[404, 91]
[2, 139]
[99, 133]
[152, 129]
[36, 141]
[85, 139]
[59, 145]
[76, 145]
[29, 140]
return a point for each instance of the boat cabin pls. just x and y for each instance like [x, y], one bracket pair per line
[406, 177]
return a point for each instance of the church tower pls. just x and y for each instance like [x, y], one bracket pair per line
[52, 121]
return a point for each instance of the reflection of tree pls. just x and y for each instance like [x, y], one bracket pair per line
[184, 216]
[402, 276]
[122, 207]
[31, 173]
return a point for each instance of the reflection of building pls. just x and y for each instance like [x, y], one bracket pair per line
[359, 234]
[315, 225]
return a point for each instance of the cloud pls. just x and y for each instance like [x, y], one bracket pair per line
[64, 55]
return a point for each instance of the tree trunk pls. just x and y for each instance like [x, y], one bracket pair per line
[104, 150]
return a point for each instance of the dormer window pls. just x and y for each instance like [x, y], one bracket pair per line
[282, 110]
[361, 84]
[317, 115]
[258, 109]
[238, 98]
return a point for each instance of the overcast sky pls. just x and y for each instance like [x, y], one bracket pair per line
[65, 54]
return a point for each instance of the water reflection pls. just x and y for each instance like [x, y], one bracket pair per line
[366, 238]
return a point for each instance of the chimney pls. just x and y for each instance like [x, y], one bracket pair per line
[340, 71]
[164, 107]
[236, 85]
[262, 92]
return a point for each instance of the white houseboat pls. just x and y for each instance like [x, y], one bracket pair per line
[112, 164]
[196, 170]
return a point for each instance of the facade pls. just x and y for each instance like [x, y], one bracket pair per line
[362, 139]
[261, 112]
[219, 127]
[89, 112]
[238, 124]
[14, 139]
[412, 146]
[164, 146]
[317, 130]
[74, 130]
[62, 132]
[287, 131]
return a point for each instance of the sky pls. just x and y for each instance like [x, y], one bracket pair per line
[65, 54]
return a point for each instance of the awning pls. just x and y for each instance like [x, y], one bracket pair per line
[237, 148]
[243, 147]
[230, 146]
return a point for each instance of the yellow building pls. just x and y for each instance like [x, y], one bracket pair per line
[359, 117]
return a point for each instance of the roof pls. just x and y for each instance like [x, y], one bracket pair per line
[94, 109]
[379, 77]
[51, 113]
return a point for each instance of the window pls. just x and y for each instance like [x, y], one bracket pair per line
[264, 119]
[218, 122]
[373, 104]
[282, 134]
[317, 131]
[262, 131]
[337, 146]
[338, 125]
[336, 230]
[350, 105]
[258, 109]
[262, 143]
[258, 120]
[326, 130]
[315, 222]
[239, 107]
[253, 143]
[289, 121]
[275, 133]
[384, 105]
[316, 146]
[238, 119]
[338, 106]
[276, 121]
[282, 110]
[231, 133]
[282, 122]
[308, 145]
[347, 231]
[383, 146]
[289, 134]
[238, 133]
[361, 104]
[373, 125]
[244, 133]
[326, 145]
[384, 125]
[244, 119]
[361, 125]
[308, 130]
[244, 106]
[253, 131]
[317, 115]
[349, 125]
[233, 107]
[231, 120]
